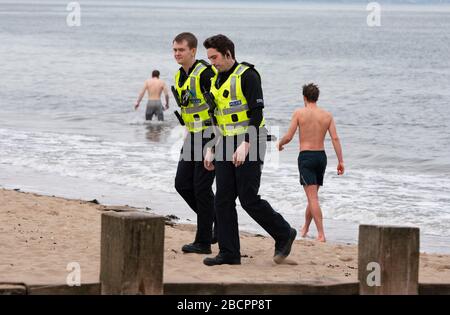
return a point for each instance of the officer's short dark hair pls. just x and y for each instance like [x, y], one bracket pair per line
[155, 73]
[311, 92]
[221, 43]
[188, 37]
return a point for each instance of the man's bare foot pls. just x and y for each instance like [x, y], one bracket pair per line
[321, 239]
[304, 232]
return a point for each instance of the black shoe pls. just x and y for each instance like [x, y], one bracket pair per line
[221, 260]
[196, 248]
[285, 249]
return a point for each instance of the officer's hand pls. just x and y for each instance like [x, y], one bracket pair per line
[241, 153]
[209, 158]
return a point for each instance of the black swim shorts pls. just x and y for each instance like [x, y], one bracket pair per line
[312, 165]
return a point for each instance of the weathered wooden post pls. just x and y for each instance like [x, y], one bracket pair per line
[388, 259]
[132, 253]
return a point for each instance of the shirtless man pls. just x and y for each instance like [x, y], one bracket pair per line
[313, 124]
[154, 88]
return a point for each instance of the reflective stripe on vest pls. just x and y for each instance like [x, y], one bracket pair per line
[239, 71]
[195, 109]
[233, 110]
[237, 124]
[194, 74]
[197, 124]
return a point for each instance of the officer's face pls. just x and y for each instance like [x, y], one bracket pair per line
[182, 53]
[219, 61]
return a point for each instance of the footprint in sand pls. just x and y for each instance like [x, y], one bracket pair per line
[288, 262]
[345, 258]
[443, 268]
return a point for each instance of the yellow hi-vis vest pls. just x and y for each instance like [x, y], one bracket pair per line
[231, 105]
[195, 114]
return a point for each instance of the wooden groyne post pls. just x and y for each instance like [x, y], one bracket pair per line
[132, 253]
[388, 260]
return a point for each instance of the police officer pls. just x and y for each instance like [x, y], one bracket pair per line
[193, 182]
[239, 154]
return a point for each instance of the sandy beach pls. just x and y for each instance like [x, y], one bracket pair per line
[41, 235]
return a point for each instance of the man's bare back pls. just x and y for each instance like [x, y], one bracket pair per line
[154, 88]
[314, 124]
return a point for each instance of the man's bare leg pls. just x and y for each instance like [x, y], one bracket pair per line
[308, 219]
[313, 202]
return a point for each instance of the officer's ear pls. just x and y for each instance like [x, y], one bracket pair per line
[228, 55]
[194, 51]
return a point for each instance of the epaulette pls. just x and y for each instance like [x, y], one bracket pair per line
[204, 62]
[248, 64]
[251, 67]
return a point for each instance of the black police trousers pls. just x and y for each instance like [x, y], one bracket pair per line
[243, 182]
[193, 182]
